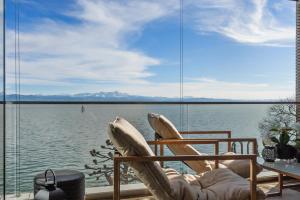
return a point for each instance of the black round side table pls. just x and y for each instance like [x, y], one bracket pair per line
[70, 181]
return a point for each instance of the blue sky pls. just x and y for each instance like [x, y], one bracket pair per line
[239, 49]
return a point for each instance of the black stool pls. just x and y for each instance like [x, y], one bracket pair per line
[70, 181]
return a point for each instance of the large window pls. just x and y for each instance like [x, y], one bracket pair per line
[73, 66]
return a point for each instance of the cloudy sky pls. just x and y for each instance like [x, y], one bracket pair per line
[239, 49]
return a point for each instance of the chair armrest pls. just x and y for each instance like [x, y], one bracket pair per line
[119, 159]
[184, 158]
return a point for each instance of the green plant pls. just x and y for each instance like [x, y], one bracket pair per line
[284, 137]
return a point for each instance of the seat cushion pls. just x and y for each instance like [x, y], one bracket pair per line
[219, 184]
[164, 128]
[224, 184]
[130, 142]
[240, 167]
[185, 187]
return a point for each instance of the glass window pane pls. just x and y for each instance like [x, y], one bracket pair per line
[85, 51]
[1, 105]
[239, 50]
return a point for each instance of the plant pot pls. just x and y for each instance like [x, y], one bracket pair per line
[269, 153]
[298, 156]
[286, 152]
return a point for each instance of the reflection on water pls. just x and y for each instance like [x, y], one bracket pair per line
[61, 136]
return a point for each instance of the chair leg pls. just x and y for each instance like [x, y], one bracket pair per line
[161, 152]
[253, 183]
[280, 181]
[116, 195]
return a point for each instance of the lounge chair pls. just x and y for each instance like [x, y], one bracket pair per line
[168, 184]
[166, 130]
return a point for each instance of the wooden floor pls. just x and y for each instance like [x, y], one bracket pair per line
[288, 193]
[270, 186]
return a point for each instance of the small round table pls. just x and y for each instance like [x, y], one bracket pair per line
[70, 181]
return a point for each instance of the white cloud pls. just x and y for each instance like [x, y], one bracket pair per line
[250, 22]
[80, 56]
[92, 50]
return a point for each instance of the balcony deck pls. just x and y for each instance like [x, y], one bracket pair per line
[267, 182]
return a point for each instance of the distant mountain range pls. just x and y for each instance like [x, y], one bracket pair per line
[103, 97]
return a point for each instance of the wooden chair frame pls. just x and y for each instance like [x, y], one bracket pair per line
[118, 159]
[219, 132]
[228, 139]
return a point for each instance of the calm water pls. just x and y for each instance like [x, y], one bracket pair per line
[61, 136]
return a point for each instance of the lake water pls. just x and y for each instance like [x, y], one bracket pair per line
[61, 136]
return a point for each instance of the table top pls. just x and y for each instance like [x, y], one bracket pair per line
[281, 166]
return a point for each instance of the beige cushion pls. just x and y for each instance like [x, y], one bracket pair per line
[224, 184]
[183, 186]
[240, 167]
[129, 142]
[219, 184]
[162, 126]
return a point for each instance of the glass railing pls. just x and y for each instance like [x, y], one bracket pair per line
[65, 136]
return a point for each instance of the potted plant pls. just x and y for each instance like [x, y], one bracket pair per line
[297, 146]
[284, 149]
[280, 129]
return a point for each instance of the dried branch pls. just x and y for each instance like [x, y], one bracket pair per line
[102, 165]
